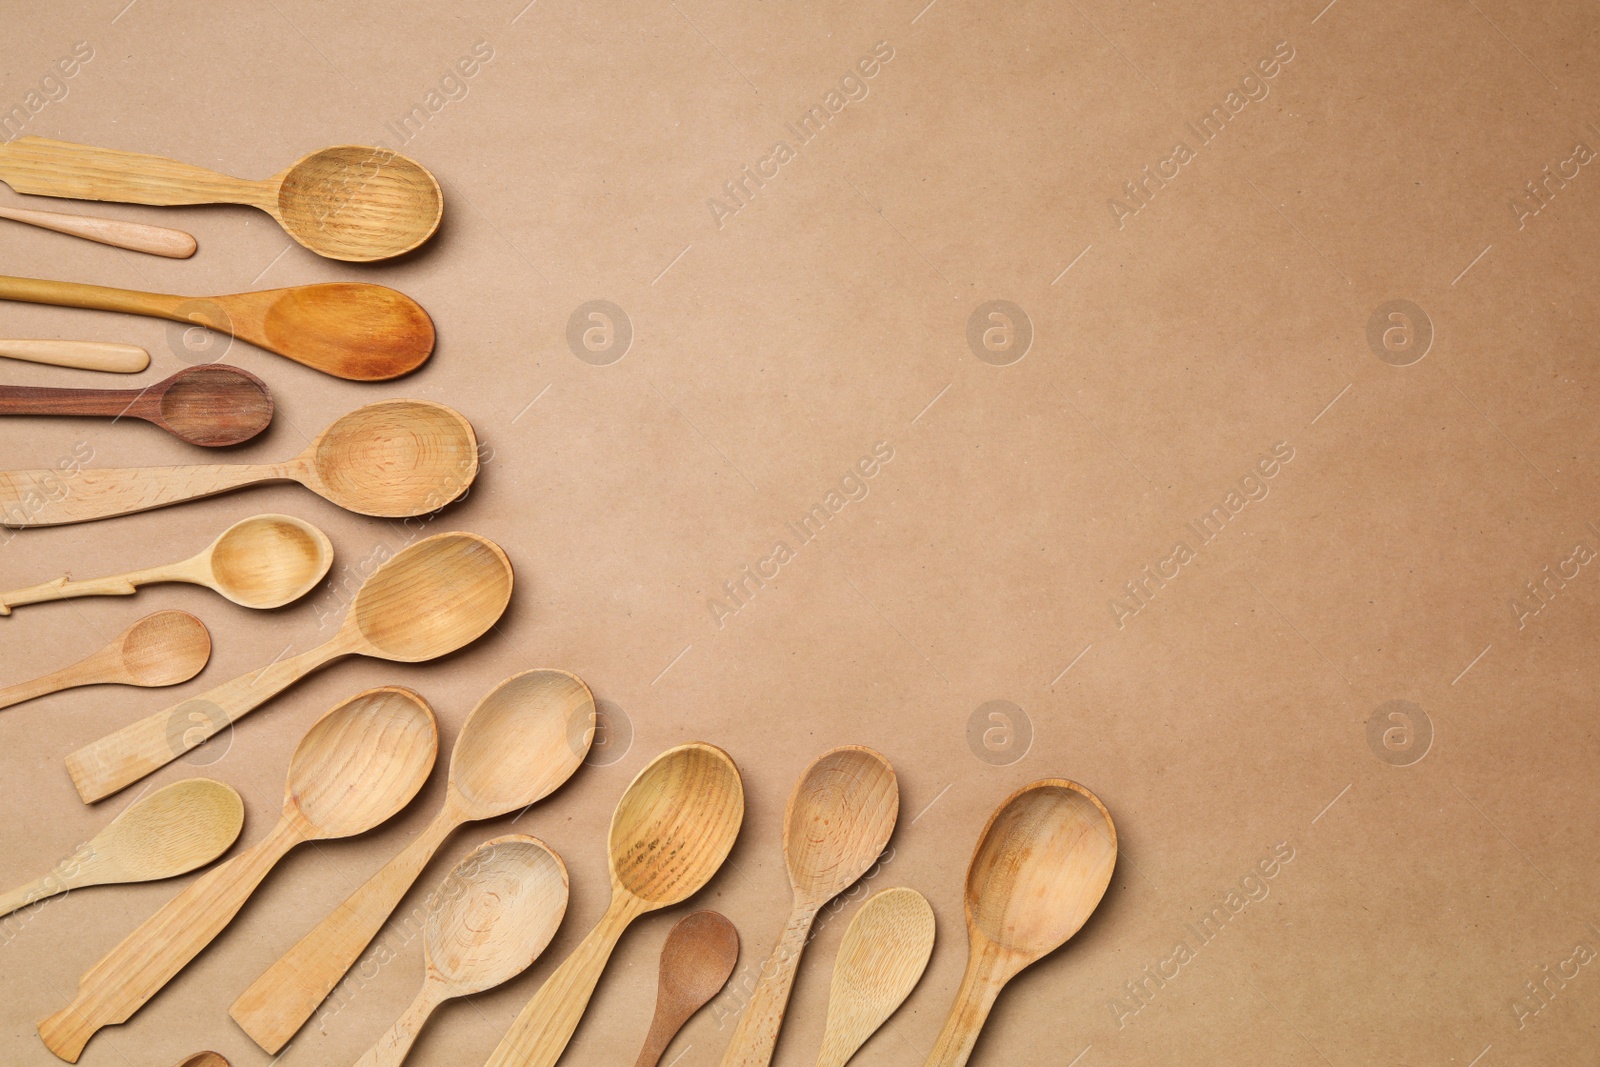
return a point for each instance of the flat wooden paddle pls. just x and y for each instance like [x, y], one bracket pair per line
[881, 959]
[212, 406]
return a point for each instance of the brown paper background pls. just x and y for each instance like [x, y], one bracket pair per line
[770, 353]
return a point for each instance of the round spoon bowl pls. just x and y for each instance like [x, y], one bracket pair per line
[363, 761]
[433, 597]
[359, 204]
[175, 829]
[838, 821]
[216, 406]
[396, 458]
[525, 738]
[165, 648]
[495, 913]
[676, 823]
[268, 561]
[353, 331]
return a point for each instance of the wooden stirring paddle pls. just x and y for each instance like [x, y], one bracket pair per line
[212, 406]
[134, 236]
[696, 962]
[881, 959]
[163, 648]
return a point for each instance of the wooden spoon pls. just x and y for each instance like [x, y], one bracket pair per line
[431, 598]
[162, 835]
[670, 833]
[1041, 866]
[880, 961]
[696, 962]
[163, 648]
[134, 236]
[213, 406]
[83, 355]
[358, 765]
[838, 821]
[205, 1059]
[265, 561]
[393, 459]
[349, 202]
[522, 741]
[347, 329]
[492, 917]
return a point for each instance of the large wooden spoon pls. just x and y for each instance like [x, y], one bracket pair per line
[696, 962]
[163, 648]
[358, 765]
[212, 406]
[119, 233]
[492, 917]
[1041, 866]
[880, 961]
[522, 741]
[162, 835]
[393, 459]
[838, 821]
[430, 599]
[353, 330]
[348, 202]
[265, 561]
[670, 833]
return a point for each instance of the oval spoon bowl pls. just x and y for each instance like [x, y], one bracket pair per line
[359, 204]
[267, 561]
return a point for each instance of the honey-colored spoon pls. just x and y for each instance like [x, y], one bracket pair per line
[82, 355]
[429, 599]
[696, 962]
[265, 561]
[118, 233]
[522, 741]
[212, 406]
[670, 833]
[880, 961]
[358, 765]
[838, 821]
[393, 459]
[492, 917]
[167, 833]
[349, 202]
[163, 648]
[1041, 866]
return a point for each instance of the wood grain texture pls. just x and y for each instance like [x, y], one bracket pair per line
[80, 355]
[429, 599]
[670, 833]
[204, 1059]
[212, 406]
[696, 962]
[134, 236]
[358, 765]
[881, 959]
[163, 648]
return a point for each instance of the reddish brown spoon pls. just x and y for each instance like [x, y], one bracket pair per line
[213, 405]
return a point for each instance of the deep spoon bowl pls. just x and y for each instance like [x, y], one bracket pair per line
[436, 596]
[215, 405]
[395, 458]
[355, 203]
[267, 561]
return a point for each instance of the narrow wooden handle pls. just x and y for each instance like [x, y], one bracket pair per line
[41, 888]
[134, 236]
[50, 400]
[92, 297]
[83, 355]
[757, 1033]
[53, 682]
[980, 985]
[53, 497]
[44, 167]
[67, 589]
[102, 767]
[390, 1049]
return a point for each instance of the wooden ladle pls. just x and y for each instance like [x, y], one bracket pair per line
[161, 835]
[429, 599]
[349, 202]
[493, 916]
[696, 961]
[265, 561]
[880, 961]
[670, 833]
[393, 459]
[838, 821]
[1041, 866]
[212, 406]
[163, 648]
[522, 741]
[359, 764]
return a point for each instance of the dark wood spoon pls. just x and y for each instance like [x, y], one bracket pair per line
[213, 405]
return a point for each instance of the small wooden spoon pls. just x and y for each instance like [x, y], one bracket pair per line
[670, 833]
[838, 821]
[492, 917]
[1041, 866]
[163, 648]
[134, 236]
[349, 202]
[429, 599]
[162, 835]
[82, 355]
[880, 961]
[265, 561]
[696, 961]
[522, 741]
[358, 765]
[212, 406]
[393, 459]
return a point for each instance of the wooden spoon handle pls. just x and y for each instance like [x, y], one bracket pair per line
[47, 400]
[53, 497]
[84, 355]
[92, 297]
[390, 1049]
[980, 985]
[80, 172]
[757, 1033]
[134, 236]
[41, 888]
[147, 959]
[67, 589]
[54, 682]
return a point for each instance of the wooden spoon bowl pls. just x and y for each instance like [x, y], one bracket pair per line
[360, 204]
[362, 762]
[440, 594]
[163, 648]
[212, 406]
[394, 459]
[676, 824]
[267, 561]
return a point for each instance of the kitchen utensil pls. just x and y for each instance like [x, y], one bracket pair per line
[696, 962]
[880, 960]
[204, 1059]
[163, 648]
[212, 406]
[84, 355]
[134, 236]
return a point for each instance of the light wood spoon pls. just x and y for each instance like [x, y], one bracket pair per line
[163, 648]
[212, 406]
[492, 917]
[838, 821]
[205, 1059]
[162, 835]
[349, 202]
[1041, 866]
[670, 833]
[353, 330]
[696, 961]
[522, 741]
[265, 561]
[393, 459]
[358, 765]
[881, 959]
[429, 599]
[134, 236]
[82, 355]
